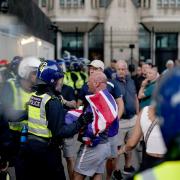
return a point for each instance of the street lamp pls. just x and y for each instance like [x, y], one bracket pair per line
[131, 66]
[131, 46]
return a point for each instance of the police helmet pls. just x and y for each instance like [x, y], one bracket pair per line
[75, 66]
[15, 63]
[28, 65]
[167, 101]
[49, 72]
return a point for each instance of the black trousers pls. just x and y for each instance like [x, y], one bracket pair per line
[38, 160]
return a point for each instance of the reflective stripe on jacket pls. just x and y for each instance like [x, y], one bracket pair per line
[37, 122]
[21, 98]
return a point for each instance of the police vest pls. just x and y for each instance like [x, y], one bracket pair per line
[85, 76]
[21, 98]
[37, 122]
[68, 80]
[79, 83]
[167, 170]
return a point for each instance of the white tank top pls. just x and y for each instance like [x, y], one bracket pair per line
[155, 143]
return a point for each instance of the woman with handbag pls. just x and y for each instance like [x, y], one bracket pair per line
[148, 127]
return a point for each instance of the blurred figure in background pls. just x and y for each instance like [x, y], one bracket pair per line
[13, 66]
[4, 72]
[138, 78]
[111, 70]
[167, 102]
[147, 87]
[169, 66]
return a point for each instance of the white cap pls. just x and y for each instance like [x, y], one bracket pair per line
[27, 65]
[169, 62]
[97, 64]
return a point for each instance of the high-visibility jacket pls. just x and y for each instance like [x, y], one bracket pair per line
[21, 98]
[79, 83]
[165, 171]
[68, 79]
[85, 79]
[37, 122]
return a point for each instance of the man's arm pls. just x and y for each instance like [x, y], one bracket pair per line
[56, 120]
[120, 104]
[137, 105]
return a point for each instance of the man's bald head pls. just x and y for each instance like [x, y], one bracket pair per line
[97, 82]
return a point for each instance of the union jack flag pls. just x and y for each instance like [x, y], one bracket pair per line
[72, 115]
[104, 110]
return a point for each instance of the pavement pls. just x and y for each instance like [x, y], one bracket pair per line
[135, 162]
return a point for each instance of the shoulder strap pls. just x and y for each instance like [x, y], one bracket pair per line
[150, 130]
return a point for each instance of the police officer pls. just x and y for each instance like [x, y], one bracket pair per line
[16, 94]
[168, 108]
[41, 159]
[13, 66]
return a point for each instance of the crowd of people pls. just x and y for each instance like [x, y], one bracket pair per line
[46, 106]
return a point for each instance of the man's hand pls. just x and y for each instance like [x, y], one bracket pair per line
[85, 118]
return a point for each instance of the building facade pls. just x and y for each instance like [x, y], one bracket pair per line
[24, 30]
[122, 29]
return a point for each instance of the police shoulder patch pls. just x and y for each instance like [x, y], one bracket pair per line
[35, 101]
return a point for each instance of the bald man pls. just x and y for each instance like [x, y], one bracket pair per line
[91, 159]
[114, 89]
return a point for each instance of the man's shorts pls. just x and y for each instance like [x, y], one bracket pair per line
[91, 160]
[69, 147]
[125, 129]
[113, 141]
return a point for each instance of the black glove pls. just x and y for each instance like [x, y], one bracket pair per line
[85, 118]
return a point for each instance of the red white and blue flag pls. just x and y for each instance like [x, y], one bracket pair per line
[72, 115]
[104, 110]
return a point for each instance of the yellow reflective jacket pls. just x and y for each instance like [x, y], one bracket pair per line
[169, 170]
[21, 98]
[37, 122]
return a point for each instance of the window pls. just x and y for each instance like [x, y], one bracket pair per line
[61, 2]
[159, 3]
[73, 42]
[172, 3]
[43, 3]
[50, 4]
[68, 3]
[75, 3]
[166, 3]
[166, 40]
